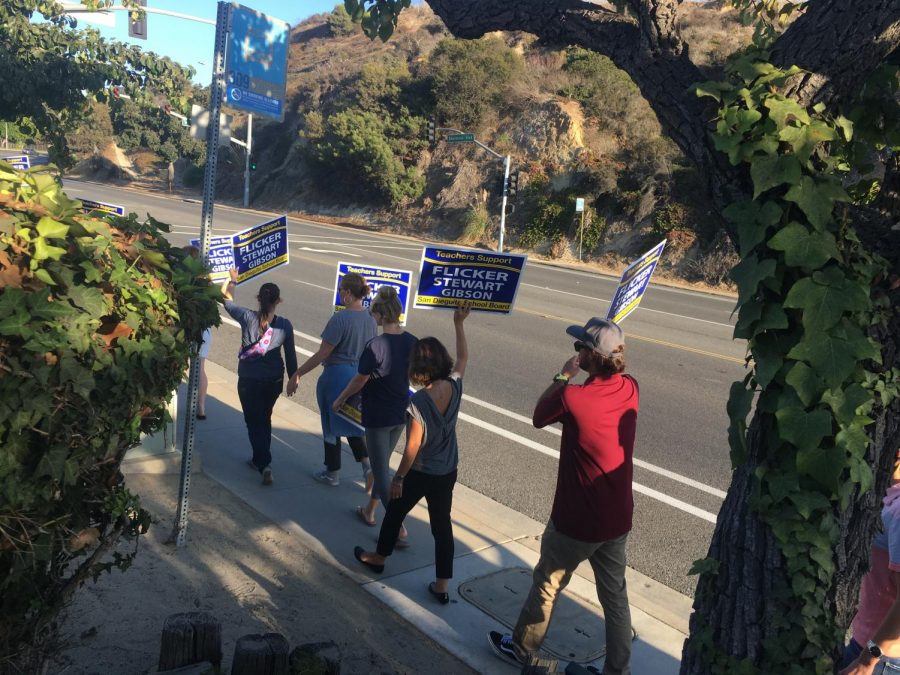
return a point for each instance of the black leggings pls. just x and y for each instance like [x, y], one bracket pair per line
[333, 451]
[438, 493]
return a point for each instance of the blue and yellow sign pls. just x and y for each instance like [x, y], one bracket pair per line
[90, 206]
[633, 284]
[450, 277]
[261, 248]
[19, 162]
[221, 257]
[376, 277]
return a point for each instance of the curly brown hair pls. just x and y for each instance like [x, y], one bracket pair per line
[429, 362]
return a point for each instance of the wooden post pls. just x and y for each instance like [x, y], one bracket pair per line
[260, 655]
[188, 638]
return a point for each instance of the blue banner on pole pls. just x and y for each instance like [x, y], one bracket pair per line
[261, 248]
[19, 162]
[221, 256]
[633, 284]
[376, 277]
[256, 63]
[449, 277]
[90, 206]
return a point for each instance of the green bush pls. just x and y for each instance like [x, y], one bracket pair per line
[340, 22]
[469, 77]
[594, 231]
[98, 319]
[476, 224]
[193, 176]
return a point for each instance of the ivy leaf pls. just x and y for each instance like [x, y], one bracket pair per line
[786, 111]
[91, 300]
[748, 316]
[748, 273]
[769, 172]
[807, 501]
[47, 227]
[806, 383]
[847, 403]
[853, 440]
[832, 358]
[740, 399]
[825, 297]
[803, 248]
[824, 465]
[43, 250]
[803, 429]
[768, 352]
[846, 127]
[861, 472]
[816, 200]
[803, 140]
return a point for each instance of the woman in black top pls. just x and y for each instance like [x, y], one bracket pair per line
[260, 367]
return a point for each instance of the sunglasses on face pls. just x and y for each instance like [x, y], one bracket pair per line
[580, 345]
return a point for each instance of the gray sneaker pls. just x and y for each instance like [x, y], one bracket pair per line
[267, 476]
[324, 477]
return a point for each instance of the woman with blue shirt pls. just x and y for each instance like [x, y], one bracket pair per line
[343, 339]
[383, 377]
[260, 367]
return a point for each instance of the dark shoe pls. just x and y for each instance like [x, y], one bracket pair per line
[443, 598]
[201, 417]
[503, 647]
[357, 553]
[267, 476]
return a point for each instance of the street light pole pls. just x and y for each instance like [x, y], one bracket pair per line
[249, 148]
[506, 163]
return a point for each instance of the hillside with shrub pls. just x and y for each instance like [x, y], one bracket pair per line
[353, 145]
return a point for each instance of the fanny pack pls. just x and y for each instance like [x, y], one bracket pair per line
[258, 349]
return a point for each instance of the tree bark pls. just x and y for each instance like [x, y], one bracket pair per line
[737, 603]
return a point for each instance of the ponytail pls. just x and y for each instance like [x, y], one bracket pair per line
[269, 296]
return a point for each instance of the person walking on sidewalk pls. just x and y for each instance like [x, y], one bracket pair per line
[260, 367]
[875, 645]
[593, 504]
[383, 377]
[343, 339]
[428, 467]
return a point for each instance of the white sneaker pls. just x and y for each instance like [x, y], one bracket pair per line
[324, 477]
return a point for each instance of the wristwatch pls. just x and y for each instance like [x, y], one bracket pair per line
[873, 649]
[561, 377]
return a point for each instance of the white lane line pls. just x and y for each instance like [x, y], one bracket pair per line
[556, 431]
[307, 283]
[325, 250]
[550, 452]
[641, 308]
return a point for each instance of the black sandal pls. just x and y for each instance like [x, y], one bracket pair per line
[357, 553]
[443, 598]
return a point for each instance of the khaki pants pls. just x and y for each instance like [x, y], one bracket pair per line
[560, 555]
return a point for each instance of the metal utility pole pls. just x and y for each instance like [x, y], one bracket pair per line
[216, 95]
[247, 161]
[457, 136]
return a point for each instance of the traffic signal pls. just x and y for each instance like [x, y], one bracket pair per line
[513, 183]
[432, 128]
[137, 27]
[252, 163]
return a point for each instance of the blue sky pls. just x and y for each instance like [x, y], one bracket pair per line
[191, 43]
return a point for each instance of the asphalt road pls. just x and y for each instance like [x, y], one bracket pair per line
[679, 348]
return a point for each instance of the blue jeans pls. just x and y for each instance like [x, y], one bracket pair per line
[887, 665]
[380, 443]
[257, 401]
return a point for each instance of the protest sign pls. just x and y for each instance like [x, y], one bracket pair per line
[261, 248]
[376, 277]
[89, 205]
[449, 277]
[633, 283]
[351, 410]
[221, 256]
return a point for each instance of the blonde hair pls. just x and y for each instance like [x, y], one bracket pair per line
[386, 304]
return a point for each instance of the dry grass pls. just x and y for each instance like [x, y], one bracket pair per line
[713, 31]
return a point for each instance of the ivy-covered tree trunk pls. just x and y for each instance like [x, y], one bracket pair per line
[757, 607]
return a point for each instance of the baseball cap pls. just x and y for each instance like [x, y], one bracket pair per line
[602, 335]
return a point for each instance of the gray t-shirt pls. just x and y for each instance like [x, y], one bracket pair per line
[349, 331]
[439, 453]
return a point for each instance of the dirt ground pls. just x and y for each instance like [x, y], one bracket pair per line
[248, 572]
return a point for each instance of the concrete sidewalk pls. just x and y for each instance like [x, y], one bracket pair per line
[496, 547]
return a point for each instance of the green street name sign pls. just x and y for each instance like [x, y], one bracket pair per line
[460, 138]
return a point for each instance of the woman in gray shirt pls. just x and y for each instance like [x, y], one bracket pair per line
[428, 467]
[343, 339]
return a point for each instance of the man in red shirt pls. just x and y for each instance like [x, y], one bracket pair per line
[593, 504]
